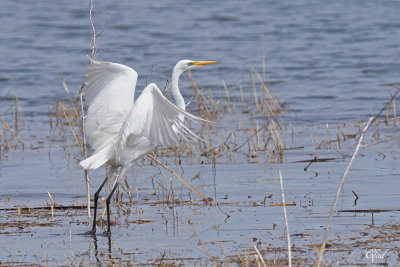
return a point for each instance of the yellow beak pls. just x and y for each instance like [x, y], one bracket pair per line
[201, 63]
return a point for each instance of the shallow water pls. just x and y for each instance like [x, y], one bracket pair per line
[329, 62]
[194, 233]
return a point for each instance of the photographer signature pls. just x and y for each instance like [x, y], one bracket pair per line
[375, 253]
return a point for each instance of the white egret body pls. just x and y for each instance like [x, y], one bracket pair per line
[121, 130]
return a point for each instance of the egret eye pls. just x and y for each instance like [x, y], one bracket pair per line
[190, 64]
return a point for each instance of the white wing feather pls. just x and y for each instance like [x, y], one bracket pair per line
[109, 91]
[154, 118]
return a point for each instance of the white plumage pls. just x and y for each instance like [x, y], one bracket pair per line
[121, 130]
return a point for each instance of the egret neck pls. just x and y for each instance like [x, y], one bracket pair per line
[180, 102]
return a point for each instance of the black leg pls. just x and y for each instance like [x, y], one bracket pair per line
[109, 247]
[96, 198]
[108, 209]
[96, 252]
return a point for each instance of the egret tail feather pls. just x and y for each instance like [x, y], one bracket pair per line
[98, 159]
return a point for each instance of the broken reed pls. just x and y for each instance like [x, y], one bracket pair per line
[11, 125]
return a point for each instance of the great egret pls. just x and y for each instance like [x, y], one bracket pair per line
[122, 130]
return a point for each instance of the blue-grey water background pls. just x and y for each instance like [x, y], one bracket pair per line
[329, 61]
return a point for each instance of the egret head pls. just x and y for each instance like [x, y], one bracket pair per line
[187, 64]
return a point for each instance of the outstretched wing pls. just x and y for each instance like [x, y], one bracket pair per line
[155, 119]
[109, 91]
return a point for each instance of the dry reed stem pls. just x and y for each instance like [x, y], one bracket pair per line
[257, 136]
[72, 129]
[18, 115]
[258, 256]
[86, 172]
[228, 97]
[286, 221]
[10, 131]
[7, 127]
[253, 86]
[387, 112]
[242, 99]
[51, 198]
[273, 104]
[3, 142]
[276, 138]
[263, 59]
[196, 93]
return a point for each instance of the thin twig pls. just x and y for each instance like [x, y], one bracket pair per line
[149, 76]
[84, 145]
[214, 174]
[93, 44]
